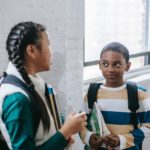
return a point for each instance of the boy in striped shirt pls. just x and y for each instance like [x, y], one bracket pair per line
[112, 98]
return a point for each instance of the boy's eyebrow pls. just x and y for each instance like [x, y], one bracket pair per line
[117, 61]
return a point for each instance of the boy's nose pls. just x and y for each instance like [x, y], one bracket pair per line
[111, 68]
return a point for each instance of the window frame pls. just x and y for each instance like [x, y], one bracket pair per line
[145, 53]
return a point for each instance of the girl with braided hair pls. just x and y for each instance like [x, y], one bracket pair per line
[29, 53]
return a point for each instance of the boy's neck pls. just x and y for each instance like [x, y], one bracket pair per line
[114, 84]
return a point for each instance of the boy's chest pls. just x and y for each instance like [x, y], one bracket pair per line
[113, 100]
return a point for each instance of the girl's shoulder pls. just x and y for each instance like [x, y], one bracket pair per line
[15, 99]
[14, 105]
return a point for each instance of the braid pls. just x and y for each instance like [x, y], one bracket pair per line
[19, 38]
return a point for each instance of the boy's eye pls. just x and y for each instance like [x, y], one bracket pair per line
[105, 64]
[117, 65]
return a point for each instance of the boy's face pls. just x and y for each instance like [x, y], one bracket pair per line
[113, 65]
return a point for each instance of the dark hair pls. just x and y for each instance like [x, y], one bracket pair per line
[20, 36]
[117, 47]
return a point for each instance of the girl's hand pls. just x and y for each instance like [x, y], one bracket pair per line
[70, 141]
[74, 124]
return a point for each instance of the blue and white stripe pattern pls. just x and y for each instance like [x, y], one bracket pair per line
[114, 107]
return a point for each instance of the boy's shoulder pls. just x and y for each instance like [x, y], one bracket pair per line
[142, 92]
[141, 88]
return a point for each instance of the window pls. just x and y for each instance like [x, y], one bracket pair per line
[125, 21]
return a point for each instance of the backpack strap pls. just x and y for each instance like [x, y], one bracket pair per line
[3, 143]
[92, 94]
[91, 98]
[133, 102]
[11, 79]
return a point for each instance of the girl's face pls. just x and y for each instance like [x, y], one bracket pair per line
[44, 54]
[113, 65]
[39, 58]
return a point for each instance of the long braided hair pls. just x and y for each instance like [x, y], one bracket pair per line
[20, 36]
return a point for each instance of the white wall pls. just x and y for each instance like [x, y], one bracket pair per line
[64, 20]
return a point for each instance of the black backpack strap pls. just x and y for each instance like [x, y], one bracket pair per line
[92, 97]
[11, 79]
[92, 94]
[3, 144]
[133, 102]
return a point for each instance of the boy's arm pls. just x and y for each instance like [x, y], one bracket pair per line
[85, 134]
[134, 138]
[137, 136]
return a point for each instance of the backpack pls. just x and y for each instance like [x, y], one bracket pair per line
[3, 144]
[133, 101]
[11, 79]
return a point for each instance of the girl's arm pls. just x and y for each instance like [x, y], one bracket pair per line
[17, 116]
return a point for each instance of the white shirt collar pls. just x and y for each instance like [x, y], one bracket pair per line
[114, 88]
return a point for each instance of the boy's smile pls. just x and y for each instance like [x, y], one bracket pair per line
[113, 65]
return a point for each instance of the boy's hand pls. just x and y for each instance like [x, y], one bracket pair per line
[95, 141]
[111, 140]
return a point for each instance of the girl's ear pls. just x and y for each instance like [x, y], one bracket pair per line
[31, 51]
[128, 66]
